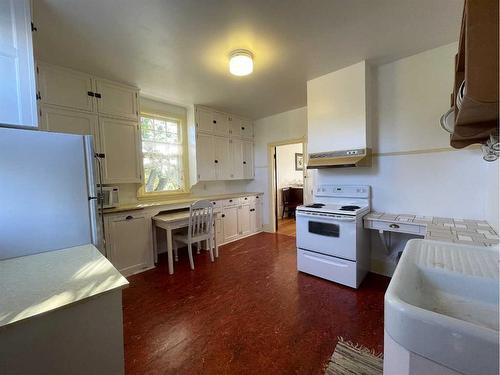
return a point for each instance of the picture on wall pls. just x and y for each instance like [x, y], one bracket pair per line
[299, 162]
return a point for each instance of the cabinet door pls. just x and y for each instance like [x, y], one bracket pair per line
[65, 87]
[248, 165]
[244, 223]
[204, 120]
[223, 163]
[253, 217]
[17, 72]
[129, 243]
[220, 123]
[246, 129]
[205, 157]
[120, 145]
[230, 223]
[237, 159]
[60, 120]
[258, 214]
[219, 229]
[114, 99]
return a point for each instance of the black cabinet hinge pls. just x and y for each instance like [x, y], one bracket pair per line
[97, 95]
[90, 93]
[33, 27]
[38, 96]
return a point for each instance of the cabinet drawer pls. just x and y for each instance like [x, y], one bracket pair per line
[248, 199]
[396, 227]
[231, 202]
[217, 204]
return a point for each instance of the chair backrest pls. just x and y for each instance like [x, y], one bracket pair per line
[200, 218]
[285, 195]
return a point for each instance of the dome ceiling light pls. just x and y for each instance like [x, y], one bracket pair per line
[241, 62]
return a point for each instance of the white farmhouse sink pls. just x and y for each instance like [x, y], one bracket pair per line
[442, 304]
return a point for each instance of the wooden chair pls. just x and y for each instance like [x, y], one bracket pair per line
[291, 198]
[201, 228]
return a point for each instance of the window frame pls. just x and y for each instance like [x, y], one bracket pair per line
[141, 192]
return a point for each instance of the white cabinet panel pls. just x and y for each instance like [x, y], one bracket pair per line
[205, 157]
[240, 127]
[223, 163]
[258, 214]
[244, 223]
[17, 72]
[230, 223]
[220, 123]
[129, 243]
[248, 165]
[120, 144]
[246, 129]
[60, 120]
[65, 87]
[204, 120]
[114, 99]
[219, 229]
[237, 159]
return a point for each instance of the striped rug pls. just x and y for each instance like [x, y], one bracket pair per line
[354, 359]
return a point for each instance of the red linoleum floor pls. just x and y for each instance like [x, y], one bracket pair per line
[250, 312]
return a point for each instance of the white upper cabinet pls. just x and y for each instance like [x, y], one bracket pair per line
[121, 148]
[223, 164]
[65, 87]
[114, 99]
[61, 120]
[221, 124]
[204, 120]
[248, 164]
[205, 157]
[17, 71]
[241, 128]
[237, 159]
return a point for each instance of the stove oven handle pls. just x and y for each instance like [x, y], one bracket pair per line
[336, 218]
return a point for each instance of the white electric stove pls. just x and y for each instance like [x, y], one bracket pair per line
[331, 241]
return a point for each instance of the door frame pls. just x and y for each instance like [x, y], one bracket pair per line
[271, 148]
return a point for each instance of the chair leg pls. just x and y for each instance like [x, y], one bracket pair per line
[216, 246]
[211, 248]
[176, 252]
[190, 253]
[198, 247]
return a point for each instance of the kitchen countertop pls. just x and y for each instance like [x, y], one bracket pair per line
[40, 283]
[171, 202]
[471, 232]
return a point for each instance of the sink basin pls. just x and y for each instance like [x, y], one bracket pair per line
[442, 304]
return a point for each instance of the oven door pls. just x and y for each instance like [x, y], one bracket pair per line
[328, 234]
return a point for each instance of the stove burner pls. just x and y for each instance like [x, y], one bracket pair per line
[349, 208]
[315, 205]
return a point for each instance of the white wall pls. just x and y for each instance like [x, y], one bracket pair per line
[415, 170]
[283, 126]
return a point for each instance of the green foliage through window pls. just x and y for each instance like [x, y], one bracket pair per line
[162, 151]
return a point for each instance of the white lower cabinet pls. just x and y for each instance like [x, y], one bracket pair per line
[230, 223]
[244, 221]
[129, 242]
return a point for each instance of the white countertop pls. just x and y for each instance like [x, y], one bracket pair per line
[184, 201]
[40, 283]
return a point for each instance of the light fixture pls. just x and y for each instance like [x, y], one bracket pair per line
[241, 62]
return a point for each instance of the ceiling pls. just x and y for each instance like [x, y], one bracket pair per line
[178, 50]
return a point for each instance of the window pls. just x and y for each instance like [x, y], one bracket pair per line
[163, 154]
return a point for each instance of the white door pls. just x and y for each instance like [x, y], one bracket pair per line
[248, 165]
[17, 68]
[60, 120]
[237, 159]
[205, 157]
[244, 223]
[230, 223]
[220, 123]
[114, 99]
[120, 145]
[65, 87]
[129, 246]
[204, 120]
[223, 163]
[246, 129]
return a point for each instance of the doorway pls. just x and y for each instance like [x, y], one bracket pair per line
[288, 185]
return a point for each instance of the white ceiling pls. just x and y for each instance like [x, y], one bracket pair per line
[178, 50]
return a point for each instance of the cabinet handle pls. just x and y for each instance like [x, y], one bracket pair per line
[223, 215]
[214, 121]
[394, 226]
[244, 162]
[216, 161]
[129, 217]
[242, 128]
[246, 198]
[230, 200]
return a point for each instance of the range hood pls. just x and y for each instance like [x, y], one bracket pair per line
[338, 118]
[340, 159]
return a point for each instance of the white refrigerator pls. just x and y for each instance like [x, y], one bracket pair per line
[48, 197]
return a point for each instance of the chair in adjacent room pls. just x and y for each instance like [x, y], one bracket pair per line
[201, 228]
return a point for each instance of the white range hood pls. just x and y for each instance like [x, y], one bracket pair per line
[338, 118]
